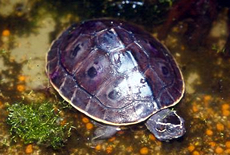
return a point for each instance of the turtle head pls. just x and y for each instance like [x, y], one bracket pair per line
[166, 125]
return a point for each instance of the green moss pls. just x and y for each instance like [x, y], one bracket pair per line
[2, 51]
[38, 123]
[218, 49]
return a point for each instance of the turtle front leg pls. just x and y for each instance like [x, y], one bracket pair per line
[104, 131]
[166, 125]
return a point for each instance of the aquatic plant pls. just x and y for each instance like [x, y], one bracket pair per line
[38, 123]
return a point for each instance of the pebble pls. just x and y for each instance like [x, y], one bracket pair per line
[29, 149]
[144, 150]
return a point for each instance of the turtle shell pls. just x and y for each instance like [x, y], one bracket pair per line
[113, 71]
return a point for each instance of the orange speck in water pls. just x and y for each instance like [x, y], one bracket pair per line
[109, 149]
[210, 111]
[209, 132]
[175, 29]
[182, 47]
[1, 104]
[227, 151]
[151, 137]
[191, 148]
[89, 126]
[194, 108]
[227, 144]
[20, 87]
[144, 150]
[228, 125]
[129, 149]
[21, 78]
[85, 120]
[29, 148]
[120, 132]
[56, 110]
[220, 126]
[207, 98]
[63, 122]
[212, 144]
[196, 153]
[219, 150]
[226, 112]
[225, 106]
[98, 147]
[6, 33]
[112, 139]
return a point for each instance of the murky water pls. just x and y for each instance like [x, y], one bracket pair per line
[27, 30]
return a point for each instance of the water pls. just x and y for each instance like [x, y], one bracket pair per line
[34, 24]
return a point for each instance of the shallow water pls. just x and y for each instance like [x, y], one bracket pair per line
[27, 30]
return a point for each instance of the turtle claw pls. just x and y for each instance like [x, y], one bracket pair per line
[166, 125]
[104, 132]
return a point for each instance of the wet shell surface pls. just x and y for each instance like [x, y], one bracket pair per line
[114, 72]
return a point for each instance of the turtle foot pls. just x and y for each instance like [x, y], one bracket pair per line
[104, 132]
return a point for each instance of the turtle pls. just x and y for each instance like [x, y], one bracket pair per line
[117, 74]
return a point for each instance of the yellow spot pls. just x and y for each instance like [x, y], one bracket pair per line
[29, 148]
[219, 150]
[225, 106]
[112, 139]
[6, 33]
[151, 137]
[209, 132]
[21, 78]
[191, 148]
[98, 147]
[220, 127]
[227, 144]
[144, 150]
[20, 87]
[109, 149]
[196, 153]
[85, 120]
[89, 126]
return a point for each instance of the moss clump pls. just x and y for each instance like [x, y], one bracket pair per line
[38, 123]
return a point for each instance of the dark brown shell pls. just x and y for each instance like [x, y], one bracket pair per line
[114, 72]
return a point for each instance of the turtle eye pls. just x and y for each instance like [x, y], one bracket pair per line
[114, 95]
[161, 128]
[92, 72]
